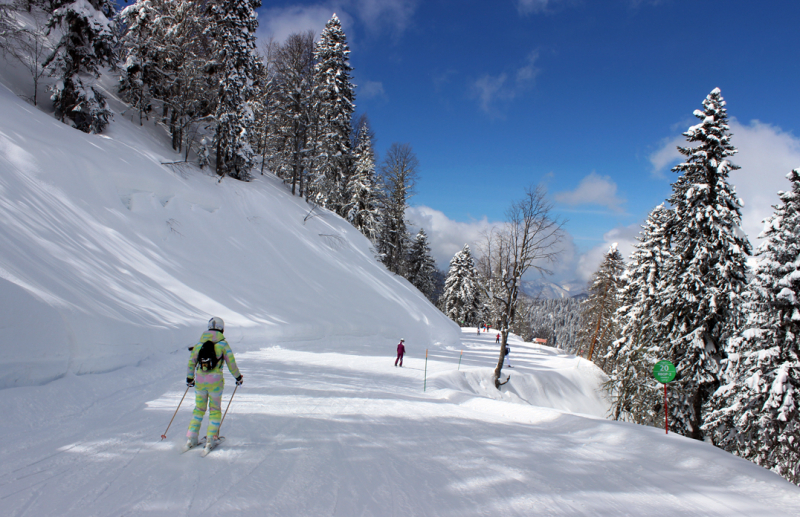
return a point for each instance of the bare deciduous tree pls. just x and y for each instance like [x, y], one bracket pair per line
[28, 45]
[528, 240]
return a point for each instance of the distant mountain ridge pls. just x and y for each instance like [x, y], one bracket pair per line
[543, 290]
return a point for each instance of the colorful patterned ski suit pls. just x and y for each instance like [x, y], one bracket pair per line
[209, 385]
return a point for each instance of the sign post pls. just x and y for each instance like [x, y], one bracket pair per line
[664, 372]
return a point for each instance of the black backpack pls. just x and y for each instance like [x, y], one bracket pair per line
[207, 356]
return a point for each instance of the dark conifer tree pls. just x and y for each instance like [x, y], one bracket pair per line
[87, 45]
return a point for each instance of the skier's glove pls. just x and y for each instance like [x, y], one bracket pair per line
[189, 381]
[239, 380]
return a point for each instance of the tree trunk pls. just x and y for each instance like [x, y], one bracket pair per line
[599, 321]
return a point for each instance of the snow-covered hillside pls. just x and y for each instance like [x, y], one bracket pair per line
[109, 257]
[111, 263]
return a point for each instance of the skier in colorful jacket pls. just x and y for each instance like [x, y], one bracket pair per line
[208, 384]
[401, 349]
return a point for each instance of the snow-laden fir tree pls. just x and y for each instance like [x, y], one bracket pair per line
[634, 393]
[756, 412]
[420, 266]
[233, 27]
[147, 24]
[87, 44]
[461, 300]
[363, 198]
[334, 98]
[597, 315]
[704, 277]
[398, 180]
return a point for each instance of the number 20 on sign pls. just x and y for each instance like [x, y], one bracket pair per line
[664, 372]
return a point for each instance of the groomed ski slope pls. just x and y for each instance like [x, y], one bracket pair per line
[110, 265]
[332, 434]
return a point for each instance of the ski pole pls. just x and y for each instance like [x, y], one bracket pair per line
[164, 436]
[459, 359]
[226, 411]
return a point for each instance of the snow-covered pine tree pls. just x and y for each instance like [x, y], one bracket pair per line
[704, 276]
[233, 30]
[362, 206]
[142, 44]
[599, 327]
[334, 97]
[398, 179]
[420, 266]
[461, 299]
[633, 391]
[86, 45]
[755, 414]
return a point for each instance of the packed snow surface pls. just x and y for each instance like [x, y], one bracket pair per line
[110, 265]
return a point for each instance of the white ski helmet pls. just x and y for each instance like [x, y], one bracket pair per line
[216, 323]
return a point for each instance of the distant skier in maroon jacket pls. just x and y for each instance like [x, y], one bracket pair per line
[400, 351]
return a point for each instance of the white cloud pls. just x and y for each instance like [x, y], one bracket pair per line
[593, 190]
[766, 155]
[280, 22]
[371, 90]
[395, 14]
[447, 237]
[666, 156]
[532, 6]
[624, 237]
[374, 15]
[489, 89]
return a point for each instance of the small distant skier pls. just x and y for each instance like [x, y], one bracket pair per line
[401, 349]
[498, 339]
[205, 374]
[508, 351]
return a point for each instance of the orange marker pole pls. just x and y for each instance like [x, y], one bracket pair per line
[459, 359]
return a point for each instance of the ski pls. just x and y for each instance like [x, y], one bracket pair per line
[216, 443]
[200, 442]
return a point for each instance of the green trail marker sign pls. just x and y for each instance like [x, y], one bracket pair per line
[664, 372]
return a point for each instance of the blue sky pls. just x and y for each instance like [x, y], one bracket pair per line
[589, 98]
